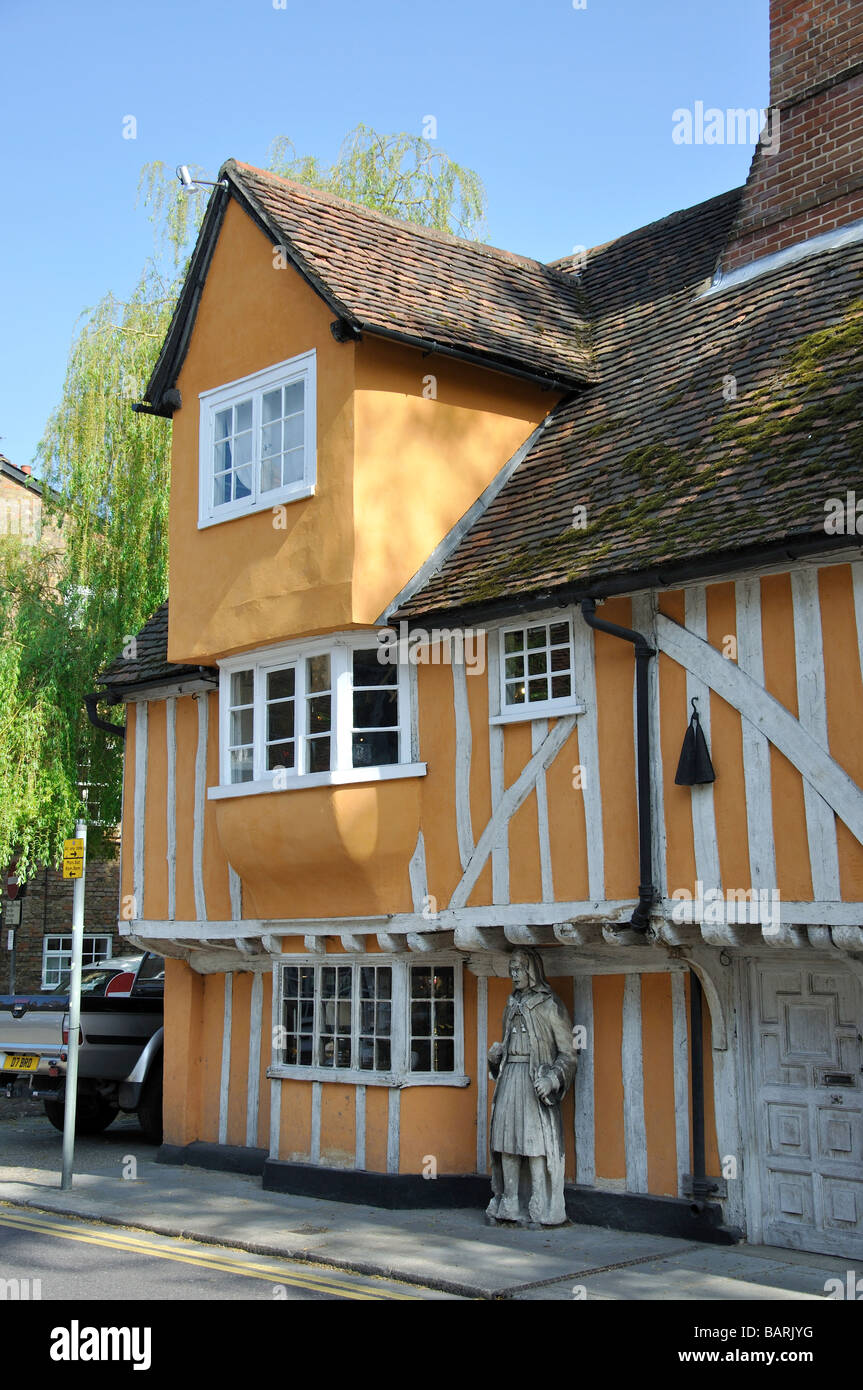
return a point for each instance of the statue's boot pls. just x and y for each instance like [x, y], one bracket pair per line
[509, 1209]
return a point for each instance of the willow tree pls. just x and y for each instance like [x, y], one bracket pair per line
[67, 610]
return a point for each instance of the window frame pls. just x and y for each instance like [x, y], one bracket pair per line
[499, 711]
[106, 937]
[399, 1073]
[340, 648]
[303, 368]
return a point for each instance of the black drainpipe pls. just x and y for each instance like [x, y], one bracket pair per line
[91, 701]
[643, 652]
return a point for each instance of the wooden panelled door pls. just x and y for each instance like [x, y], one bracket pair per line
[806, 1066]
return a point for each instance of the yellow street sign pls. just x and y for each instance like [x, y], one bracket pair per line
[73, 858]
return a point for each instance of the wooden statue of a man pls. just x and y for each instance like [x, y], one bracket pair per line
[533, 1067]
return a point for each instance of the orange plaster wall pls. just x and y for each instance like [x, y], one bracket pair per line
[610, 1148]
[215, 864]
[780, 679]
[338, 1125]
[266, 1059]
[244, 582]
[567, 828]
[658, 1052]
[184, 1048]
[211, 1066]
[679, 839]
[241, 1006]
[726, 747]
[320, 851]
[155, 827]
[187, 742]
[480, 770]
[421, 463]
[437, 749]
[377, 1103]
[525, 875]
[844, 689]
[295, 1121]
[615, 677]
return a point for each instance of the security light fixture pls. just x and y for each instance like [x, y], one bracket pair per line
[190, 185]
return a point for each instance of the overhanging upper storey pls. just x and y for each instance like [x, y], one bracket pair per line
[396, 280]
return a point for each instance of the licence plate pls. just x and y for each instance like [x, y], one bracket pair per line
[21, 1061]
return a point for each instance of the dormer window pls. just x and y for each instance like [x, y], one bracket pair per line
[257, 441]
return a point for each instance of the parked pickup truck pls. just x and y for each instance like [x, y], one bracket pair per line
[120, 1045]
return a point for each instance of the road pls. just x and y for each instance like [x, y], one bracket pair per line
[87, 1260]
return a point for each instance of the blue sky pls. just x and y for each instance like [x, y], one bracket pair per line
[565, 113]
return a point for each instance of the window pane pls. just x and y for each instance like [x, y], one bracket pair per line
[514, 667]
[368, 670]
[444, 982]
[280, 684]
[294, 397]
[241, 765]
[272, 405]
[243, 483]
[294, 431]
[375, 750]
[536, 636]
[560, 632]
[444, 1055]
[561, 687]
[382, 1055]
[271, 439]
[420, 1054]
[280, 755]
[318, 755]
[222, 490]
[515, 694]
[319, 707]
[243, 416]
[242, 450]
[537, 663]
[223, 423]
[538, 689]
[242, 686]
[375, 709]
[271, 473]
[513, 642]
[241, 726]
[421, 1017]
[318, 672]
[444, 1019]
[421, 981]
[560, 659]
[223, 456]
[280, 721]
[292, 466]
[290, 980]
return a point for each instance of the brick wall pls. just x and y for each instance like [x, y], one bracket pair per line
[20, 510]
[813, 182]
[47, 910]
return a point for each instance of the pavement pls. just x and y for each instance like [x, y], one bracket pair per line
[118, 1182]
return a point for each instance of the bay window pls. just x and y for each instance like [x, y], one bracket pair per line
[305, 713]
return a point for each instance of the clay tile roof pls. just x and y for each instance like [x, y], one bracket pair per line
[399, 277]
[720, 425]
[150, 664]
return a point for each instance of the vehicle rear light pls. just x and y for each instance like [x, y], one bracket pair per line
[65, 1031]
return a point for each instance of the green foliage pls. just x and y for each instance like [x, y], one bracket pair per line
[70, 603]
[401, 175]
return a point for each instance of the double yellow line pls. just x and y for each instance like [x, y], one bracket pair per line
[138, 1245]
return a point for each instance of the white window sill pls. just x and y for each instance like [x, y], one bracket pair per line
[263, 507]
[388, 772]
[367, 1078]
[541, 709]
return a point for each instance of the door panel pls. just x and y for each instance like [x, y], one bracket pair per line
[808, 1092]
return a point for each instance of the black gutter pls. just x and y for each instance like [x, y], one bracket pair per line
[476, 359]
[718, 566]
[90, 703]
[643, 652]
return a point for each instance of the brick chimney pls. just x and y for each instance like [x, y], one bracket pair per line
[807, 177]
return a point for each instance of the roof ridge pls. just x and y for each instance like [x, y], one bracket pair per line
[305, 190]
